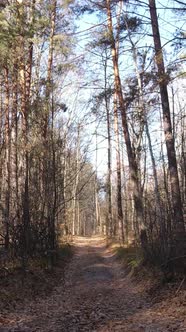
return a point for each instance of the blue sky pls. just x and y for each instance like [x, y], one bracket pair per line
[91, 75]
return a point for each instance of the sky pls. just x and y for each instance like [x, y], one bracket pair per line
[89, 79]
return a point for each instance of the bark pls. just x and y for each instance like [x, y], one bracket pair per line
[169, 140]
[118, 170]
[156, 186]
[54, 187]
[25, 72]
[15, 132]
[7, 142]
[97, 216]
[116, 129]
[126, 207]
[109, 186]
[49, 156]
[130, 153]
[144, 122]
[49, 69]
[75, 195]
[109, 175]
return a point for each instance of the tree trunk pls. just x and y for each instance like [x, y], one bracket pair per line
[171, 154]
[130, 153]
[118, 170]
[15, 135]
[7, 160]
[75, 196]
[25, 84]
[49, 177]
[109, 184]
[49, 69]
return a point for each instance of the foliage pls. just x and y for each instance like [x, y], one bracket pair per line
[131, 257]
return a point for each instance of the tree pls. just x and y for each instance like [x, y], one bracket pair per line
[169, 139]
[130, 153]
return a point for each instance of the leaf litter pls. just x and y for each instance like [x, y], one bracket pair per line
[95, 294]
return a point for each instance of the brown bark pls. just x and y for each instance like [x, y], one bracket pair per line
[130, 153]
[97, 214]
[15, 130]
[144, 122]
[7, 142]
[169, 140]
[75, 189]
[49, 155]
[109, 147]
[53, 193]
[49, 67]
[116, 129]
[118, 170]
[25, 74]
[109, 186]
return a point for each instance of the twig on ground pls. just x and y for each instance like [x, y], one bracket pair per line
[181, 283]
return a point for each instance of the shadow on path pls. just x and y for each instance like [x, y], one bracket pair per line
[97, 296]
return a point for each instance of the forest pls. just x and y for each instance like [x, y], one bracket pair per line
[93, 132]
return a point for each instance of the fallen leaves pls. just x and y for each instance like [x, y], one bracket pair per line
[96, 296]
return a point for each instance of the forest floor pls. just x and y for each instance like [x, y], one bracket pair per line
[96, 294]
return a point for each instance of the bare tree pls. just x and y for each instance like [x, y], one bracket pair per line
[169, 139]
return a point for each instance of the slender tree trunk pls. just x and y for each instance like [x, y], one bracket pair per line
[96, 187]
[15, 134]
[49, 66]
[49, 157]
[156, 186]
[25, 84]
[64, 175]
[171, 154]
[131, 156]
[7, 159]
[53, 187]
[78, 218]
[183, 158]
[109, 185]
[144, 121]
[75, 196]
[126, 197]
[109, 148]
[118, 170]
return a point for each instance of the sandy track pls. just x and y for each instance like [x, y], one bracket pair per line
[96, 296]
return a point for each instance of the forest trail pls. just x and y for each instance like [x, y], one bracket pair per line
[96, 296]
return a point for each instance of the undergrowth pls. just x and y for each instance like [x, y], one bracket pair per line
[38, 281]
[152, 279]
[131, 258]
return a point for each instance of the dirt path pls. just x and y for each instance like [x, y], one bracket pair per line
[97, 296]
